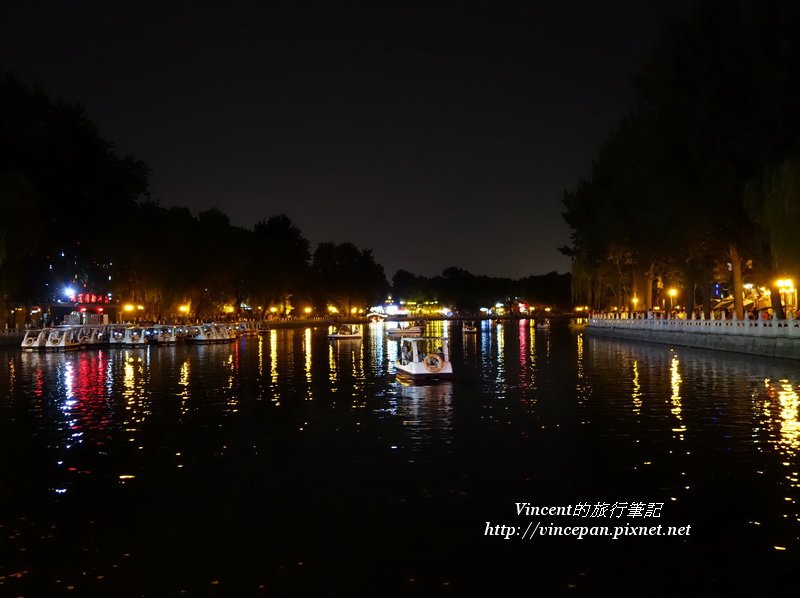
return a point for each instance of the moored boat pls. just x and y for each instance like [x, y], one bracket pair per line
[35, 339]
[161, 334]
[247, 329]
[93, 336]
[62, 339]
[124, 335]
[208, 333]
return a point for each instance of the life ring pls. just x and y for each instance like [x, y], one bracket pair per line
[433, 363]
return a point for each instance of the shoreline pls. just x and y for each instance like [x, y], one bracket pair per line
[13, 337]
[772, 338]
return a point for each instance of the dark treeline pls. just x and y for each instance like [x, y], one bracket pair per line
[700, 182]
[468, 292]
[74, 215]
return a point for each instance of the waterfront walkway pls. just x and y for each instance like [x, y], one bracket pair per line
[773, 338]
[760, 328]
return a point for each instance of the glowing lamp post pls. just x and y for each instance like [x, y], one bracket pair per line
[673, 292]
[787, 291]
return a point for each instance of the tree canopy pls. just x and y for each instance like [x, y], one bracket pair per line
[694, 185]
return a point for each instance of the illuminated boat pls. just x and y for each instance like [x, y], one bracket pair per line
[35, 339]
[424, 359]
[161, 334]
[209, 333]
[247, 329]
[63, 339]
[124, 335]
[346, 331]
[232, 330]
[93, 336]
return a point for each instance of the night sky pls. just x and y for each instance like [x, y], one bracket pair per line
[436, 136]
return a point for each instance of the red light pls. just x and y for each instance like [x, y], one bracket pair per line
[83, 309]
[99, 310]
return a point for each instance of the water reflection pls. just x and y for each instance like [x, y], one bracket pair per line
[517, 419]
[675, 381]
[790, 425]
[426, 412]
[781, 412]
[582, 388]
[183, 385]
[636, 395]
[718, 405]
[273, 366]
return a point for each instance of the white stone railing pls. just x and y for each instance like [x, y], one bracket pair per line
[758, 328]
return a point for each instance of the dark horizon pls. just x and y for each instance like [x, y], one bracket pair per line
[460, 131]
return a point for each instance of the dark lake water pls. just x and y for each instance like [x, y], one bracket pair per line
[292, 465]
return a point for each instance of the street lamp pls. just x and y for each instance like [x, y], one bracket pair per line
[786, 289]
[672, 293]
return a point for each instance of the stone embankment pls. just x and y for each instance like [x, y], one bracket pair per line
[771, 338]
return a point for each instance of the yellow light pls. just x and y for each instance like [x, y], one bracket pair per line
[183, 308]
[546, 309]
[140, 307]
[354, 310]
[635, 300]
[333, 309]
[307, 310]
[273, 310]
[672, 292]
[229, 309]
[128, 307]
